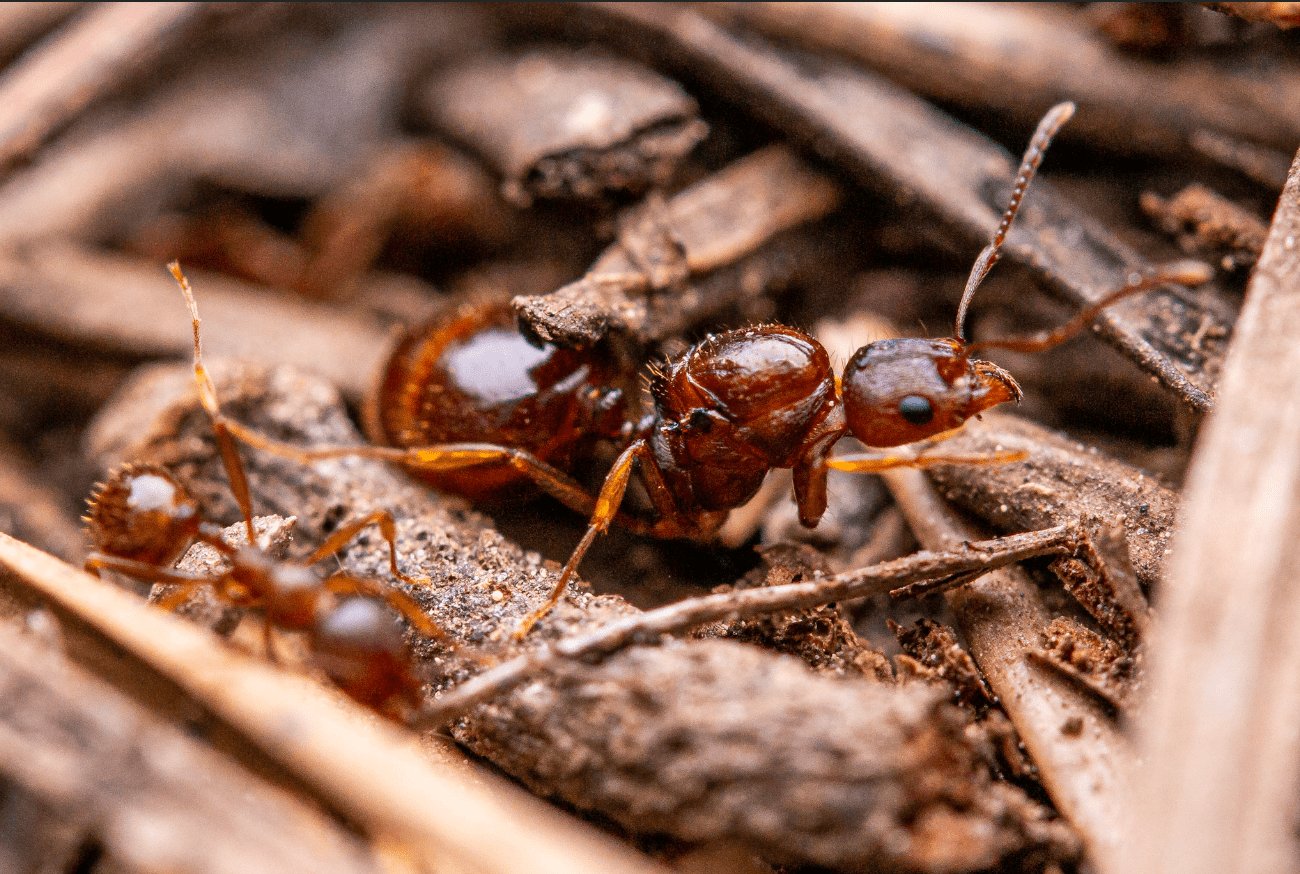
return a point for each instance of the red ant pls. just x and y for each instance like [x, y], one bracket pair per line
[725, 413]
[142, 521]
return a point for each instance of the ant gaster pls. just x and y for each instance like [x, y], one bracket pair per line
[142, 521]
[728, 410]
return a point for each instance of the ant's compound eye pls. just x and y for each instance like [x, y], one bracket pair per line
[916, 409]
[701, 421]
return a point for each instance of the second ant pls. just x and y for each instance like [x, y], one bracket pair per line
[470, 406]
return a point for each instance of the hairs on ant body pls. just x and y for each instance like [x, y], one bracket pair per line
[142, 521]
[725, 412]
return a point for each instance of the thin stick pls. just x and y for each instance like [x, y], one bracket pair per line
[967, 561]
[1002, 617]
[1218, 733]
[80, 63]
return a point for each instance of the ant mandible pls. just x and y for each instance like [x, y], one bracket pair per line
[727, 411]
[142, 520]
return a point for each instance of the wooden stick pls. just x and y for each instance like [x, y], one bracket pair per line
[878, 579]
[1218, 735]
[81, 62]
[716, 223]
[153, 795]
[371, 771]
[1002, 617]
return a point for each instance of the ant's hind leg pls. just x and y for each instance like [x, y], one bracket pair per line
[387, 527]
[438, 457]
[606, 509]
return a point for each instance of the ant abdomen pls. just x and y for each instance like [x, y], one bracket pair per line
[143, 514]
[903, 390]
[473, 378]
[360, 647]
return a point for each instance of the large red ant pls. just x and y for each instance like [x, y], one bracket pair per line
[725, 413]
[142, 520]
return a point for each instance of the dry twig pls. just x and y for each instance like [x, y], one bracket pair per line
[716, 223]
[155, 797]
[1218, 788]
[1018, 59]
[684, 615]
[79, 63]
[1078, 749]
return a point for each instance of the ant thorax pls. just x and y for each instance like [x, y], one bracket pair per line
[736, 405]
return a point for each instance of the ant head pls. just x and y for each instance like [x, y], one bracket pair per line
[901, 391]
[142, 513]
[749, 392]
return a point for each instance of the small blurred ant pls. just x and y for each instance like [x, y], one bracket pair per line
[727, 411]
[142, 521]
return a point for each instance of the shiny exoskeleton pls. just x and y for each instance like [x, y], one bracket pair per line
[726, 412]
[472, 377]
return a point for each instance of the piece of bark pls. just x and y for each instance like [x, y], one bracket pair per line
[940, 657]
[79, 63]
[1061, 481]
[560, 123]
[130, 307]
[1002, 618]
[648, 284]
[1217, 791]
[1205, 223]
[1018, 60]
[1102, 666]
[644, 737]
[30, 511]
[903, 147]
[381, 779]
[156, 798]
[250, 117]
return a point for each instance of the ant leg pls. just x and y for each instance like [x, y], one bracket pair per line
[607, 504]
[387, 527]
[221, 429]
[140, 570]
[810, 482]
[443, 456]
[866, 463]
[344, 584]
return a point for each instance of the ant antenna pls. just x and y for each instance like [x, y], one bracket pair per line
[1057, 116]
[1188, 273]
[208, 398]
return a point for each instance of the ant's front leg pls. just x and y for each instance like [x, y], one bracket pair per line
[387, 528]
[866, 462]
